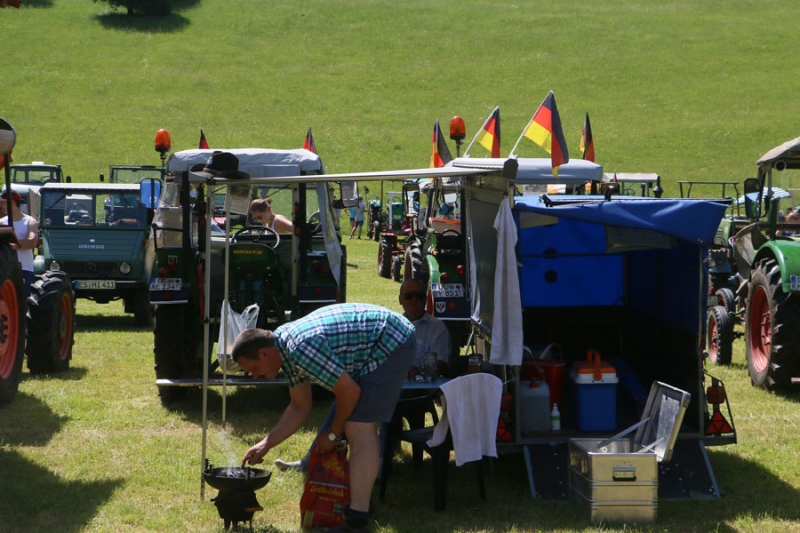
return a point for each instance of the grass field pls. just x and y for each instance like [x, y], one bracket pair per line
[687, 89]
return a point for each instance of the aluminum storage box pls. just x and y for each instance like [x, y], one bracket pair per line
[616, 479]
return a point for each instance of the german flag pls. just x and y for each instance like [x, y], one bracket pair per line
[545, 130]
[489, 136]
[440, 155]
[3, 160]
[309, 144]
[203, 143]
[587, 142]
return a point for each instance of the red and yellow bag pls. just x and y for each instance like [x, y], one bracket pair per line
[327, 490]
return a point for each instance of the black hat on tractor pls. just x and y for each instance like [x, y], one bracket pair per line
[220, 165]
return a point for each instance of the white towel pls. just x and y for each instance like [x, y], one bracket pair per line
[470, 410]
[507, 315]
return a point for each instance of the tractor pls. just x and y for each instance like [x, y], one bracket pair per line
[286, 275]
[764, 248]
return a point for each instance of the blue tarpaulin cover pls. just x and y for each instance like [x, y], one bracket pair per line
[647, 254]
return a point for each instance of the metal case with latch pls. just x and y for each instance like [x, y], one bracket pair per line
[616, 479]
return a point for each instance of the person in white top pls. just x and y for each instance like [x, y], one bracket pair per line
[27, 230]
[432, 334]
[261, 211]
[357, 222]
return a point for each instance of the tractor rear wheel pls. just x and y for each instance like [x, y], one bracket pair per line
[12, 326]
[51, 323]
[719, 335]
[772, 328]
[414, 265]
[174, 352]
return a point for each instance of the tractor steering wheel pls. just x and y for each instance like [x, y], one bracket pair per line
[315, 223]
[450, 231]
[255, 233]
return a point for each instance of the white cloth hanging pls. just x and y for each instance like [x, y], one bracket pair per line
[507, 314]
[470, 410]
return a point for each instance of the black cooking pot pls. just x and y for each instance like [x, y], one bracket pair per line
[234, 478]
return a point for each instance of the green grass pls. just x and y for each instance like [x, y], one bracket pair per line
[687, 89]
[93, 450]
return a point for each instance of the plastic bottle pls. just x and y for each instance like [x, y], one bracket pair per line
[555, 418]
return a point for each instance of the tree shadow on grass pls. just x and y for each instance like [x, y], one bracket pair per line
[28, 422]
[34, 497]
[37, 3]
[174, 22]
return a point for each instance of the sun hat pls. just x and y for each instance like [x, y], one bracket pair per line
[220, 165]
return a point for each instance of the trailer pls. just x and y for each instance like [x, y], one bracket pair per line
[625, 278]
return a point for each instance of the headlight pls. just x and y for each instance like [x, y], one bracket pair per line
[55, 266]
[125, 268]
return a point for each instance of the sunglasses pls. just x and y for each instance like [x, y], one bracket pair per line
[411, 295]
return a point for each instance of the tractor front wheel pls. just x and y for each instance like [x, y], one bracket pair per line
[385, 259]
[719, 335]
[772, 328]
[51, 323]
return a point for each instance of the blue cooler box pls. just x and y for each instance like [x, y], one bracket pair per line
[595, 394]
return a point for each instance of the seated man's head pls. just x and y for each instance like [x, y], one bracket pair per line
[412, 298]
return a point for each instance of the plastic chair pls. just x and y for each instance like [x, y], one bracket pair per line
[420, 437]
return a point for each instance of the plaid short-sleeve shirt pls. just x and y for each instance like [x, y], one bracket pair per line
[355, 338]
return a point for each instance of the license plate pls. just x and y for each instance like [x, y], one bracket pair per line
[447, 290]
[794, 283]
[166, 284]
[712, 301]
[96, 284]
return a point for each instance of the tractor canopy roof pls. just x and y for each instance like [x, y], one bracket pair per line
[786, 155]
[538, 169]
[257, 162]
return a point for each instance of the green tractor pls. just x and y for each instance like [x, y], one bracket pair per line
[207, 257]
[767, 260]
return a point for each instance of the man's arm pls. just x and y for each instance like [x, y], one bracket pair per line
[32, 239]
[291, 420]
[347, 393]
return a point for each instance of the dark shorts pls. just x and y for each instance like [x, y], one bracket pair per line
[381, 388]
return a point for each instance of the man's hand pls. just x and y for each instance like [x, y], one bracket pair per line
[323, 444]
[255, 455]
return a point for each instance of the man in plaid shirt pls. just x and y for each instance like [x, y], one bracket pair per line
[361, 353]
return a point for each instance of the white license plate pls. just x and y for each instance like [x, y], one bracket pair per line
[447, 290]
[166, 284]
[97, 284]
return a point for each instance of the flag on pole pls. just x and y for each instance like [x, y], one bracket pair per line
[489, 135]
[587, 142]
[309, 144]
[440, 155]
[203, 143]
[545, 130]
[3, 160]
